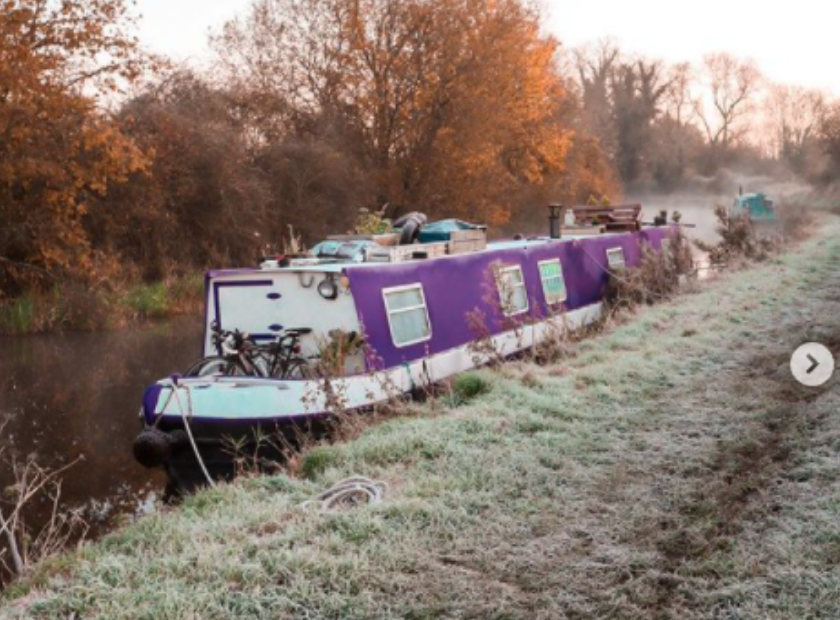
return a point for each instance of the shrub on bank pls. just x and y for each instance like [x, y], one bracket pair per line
[656, 278]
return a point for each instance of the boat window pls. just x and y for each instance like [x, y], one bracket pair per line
[408, 316]
[553, 283]
[615, 258]
[512, 291]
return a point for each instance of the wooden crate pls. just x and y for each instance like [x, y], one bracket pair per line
[462, 241]
[399, 253]
[383, 239]
[426, 250]
[582, 230]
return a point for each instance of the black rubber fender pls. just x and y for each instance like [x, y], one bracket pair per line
[152, 447]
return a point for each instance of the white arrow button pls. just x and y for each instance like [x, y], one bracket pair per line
[812, 364]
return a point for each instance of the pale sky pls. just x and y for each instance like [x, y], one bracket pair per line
[795, 42]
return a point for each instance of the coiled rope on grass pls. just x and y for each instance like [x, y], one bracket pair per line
[348, 493]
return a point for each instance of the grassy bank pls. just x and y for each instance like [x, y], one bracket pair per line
[671, 468]
[75, 307]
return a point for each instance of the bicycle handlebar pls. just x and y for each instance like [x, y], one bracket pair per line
[230, 342]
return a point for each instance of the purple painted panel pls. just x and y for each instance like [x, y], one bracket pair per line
[458, 285]
[215, 273]
[150, 401]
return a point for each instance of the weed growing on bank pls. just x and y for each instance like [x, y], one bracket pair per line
[72, 306]
[657, 278]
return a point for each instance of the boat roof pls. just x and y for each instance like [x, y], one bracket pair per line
[340, 266]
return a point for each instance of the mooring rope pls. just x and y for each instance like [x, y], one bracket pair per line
[175, 389]
[349, 492]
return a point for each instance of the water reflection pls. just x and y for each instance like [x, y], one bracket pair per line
[79, 394]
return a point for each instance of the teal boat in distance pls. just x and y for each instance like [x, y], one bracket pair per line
[756, 206]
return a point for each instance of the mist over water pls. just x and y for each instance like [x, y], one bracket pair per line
[697, 203]
[79, 394]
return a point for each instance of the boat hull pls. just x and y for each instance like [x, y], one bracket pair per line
[227, 448]
[224, 413]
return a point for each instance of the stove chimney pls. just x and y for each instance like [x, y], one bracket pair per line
[555, 211]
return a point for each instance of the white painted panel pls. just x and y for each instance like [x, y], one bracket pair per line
[246, 306]
[249, 308]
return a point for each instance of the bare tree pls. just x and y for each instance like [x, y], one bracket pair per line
[638, 89]
[676, 137]
[732, 85]
[677, 99]
[33, 481]
[829, 139]
[794, 115]
[594, 68]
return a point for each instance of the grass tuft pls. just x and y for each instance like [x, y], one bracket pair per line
[317, 461]
[469, 386]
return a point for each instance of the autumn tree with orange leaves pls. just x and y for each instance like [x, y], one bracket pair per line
[457, 102]
[58, 150]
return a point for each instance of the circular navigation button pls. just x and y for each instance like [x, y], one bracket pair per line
[812, 364]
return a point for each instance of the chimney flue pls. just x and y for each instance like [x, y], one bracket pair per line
[554, 213]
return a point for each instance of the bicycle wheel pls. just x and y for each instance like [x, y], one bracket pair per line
[260, 362]
[296, 368]
[216, 365]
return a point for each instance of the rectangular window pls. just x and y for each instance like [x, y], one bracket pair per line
[615, 258]
[553, 283]
[512, 291]
[408, 316]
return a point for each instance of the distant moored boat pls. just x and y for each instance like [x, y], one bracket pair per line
[756, 206]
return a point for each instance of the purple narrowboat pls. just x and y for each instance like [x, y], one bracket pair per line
[385, 314]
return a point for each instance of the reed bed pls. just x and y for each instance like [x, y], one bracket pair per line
[73, 306]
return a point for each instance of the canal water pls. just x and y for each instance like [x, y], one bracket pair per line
[73, 395]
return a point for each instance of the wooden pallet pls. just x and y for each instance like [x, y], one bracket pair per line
[385, 239]
[583, 230]
[463, 241]
[399, 253]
